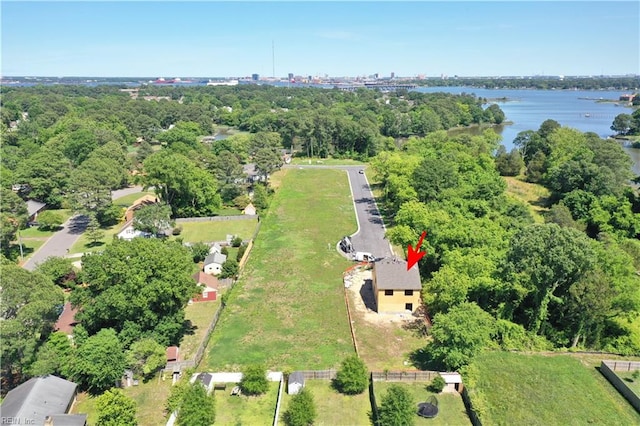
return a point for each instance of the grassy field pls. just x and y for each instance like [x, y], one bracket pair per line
[332, 407]
[532, 194]
[288, 310]
[326, 161]
[200, 314]
[150, 397]
[193, 232]
[545, 390]
[34, 232]
[633, 384]
[127, 200]
[246, 410]
[450, 406]
[83, 245]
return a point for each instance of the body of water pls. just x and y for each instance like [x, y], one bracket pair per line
[528, 109]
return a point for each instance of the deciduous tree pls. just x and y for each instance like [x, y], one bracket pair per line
[100, 362]
[301, 410]
[254, 380]
[197, 407]
[397, 407]
[116, 409]
[353, 376]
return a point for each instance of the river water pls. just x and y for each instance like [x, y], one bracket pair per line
[527, 109]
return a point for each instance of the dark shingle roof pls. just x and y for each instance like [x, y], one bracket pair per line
[392, 274]
[205, 379]
[38, 398]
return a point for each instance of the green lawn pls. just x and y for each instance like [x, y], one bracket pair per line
[34, 232]
[246, 410]
[326, 161]
[332, 407]
[522, 389]
[83, 245]
[150, 397]
[127, 200]
[200, 314]
[212, 230]
[633, 384]
[451, 410]
[288, 310]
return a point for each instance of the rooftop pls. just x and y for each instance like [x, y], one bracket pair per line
[392, 274]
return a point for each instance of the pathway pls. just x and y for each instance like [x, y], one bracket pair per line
[60, 243]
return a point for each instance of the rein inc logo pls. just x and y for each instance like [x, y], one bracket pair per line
[17, 421]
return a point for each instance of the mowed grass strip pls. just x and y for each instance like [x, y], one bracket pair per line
[546, 390]
[246, 410]
[332, 407]
[451, 409]
[288, 309]
[214, 230]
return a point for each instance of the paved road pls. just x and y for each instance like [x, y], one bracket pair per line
[60, 243]
[370, 236]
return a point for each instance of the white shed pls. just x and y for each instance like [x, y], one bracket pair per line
[453, 382]
[295, 383]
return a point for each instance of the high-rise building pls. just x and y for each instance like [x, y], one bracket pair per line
[393, 75]
[255, 77]
[290, 76]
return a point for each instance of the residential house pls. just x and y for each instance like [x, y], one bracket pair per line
[67, 320]
[396, 289]
[33, 208]
[250, 210]
[208, 285]
[295, 383]
[128, 232]
[44, 400]
[213, 263]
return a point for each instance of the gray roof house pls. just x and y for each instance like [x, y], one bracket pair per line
[295, 383]
[213, 263]
[42, 400]
[397, 289]
[33, 208]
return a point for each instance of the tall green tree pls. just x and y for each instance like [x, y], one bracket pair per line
[397, 407]
[153, 218]
[187, 188]
[145, 357]
[100, 362]
[459, 335]
[139, 288]
[352, 377]
[13, 216]
[116, 409]
[55, 356]
[254, 380]
[301, 410]
[29, 307]
[197, 407]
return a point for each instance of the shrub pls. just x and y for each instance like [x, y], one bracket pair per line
[352, 378]
[436, 385]
[49, 220]
[229, 269]
[241, 251]
[636, 375]
[397, 408]
[254, 380]
[199, 251]
[301, 411]
[177, 230]
[225, 251]
[236, 242]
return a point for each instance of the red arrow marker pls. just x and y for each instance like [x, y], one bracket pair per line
[415, 255]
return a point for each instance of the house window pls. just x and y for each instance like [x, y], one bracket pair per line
[408, 292]
[408, 306]
[388, 292]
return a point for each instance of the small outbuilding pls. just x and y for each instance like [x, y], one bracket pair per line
[173, 352]
[249, 210]
[453, 382]
[208, 285]
[295, 383]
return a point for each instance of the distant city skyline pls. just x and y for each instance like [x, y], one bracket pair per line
[238, 39]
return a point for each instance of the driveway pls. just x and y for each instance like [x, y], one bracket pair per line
[60, 243]
[370, 236]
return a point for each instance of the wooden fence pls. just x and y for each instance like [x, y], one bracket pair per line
[607, 368]
[403, 376]
[203, 344]
[473, 416]
[318, 374]
[217, 218]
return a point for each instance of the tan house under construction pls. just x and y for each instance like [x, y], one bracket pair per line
[396, 289]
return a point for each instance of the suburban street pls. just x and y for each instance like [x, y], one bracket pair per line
[370, 236]
[60, 243]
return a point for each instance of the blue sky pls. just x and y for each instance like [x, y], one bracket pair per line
[210, 39]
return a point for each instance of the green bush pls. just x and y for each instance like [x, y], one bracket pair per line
[301, 411]
[436, 385]
[254, 380]
[237, 241]
[353, 376]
